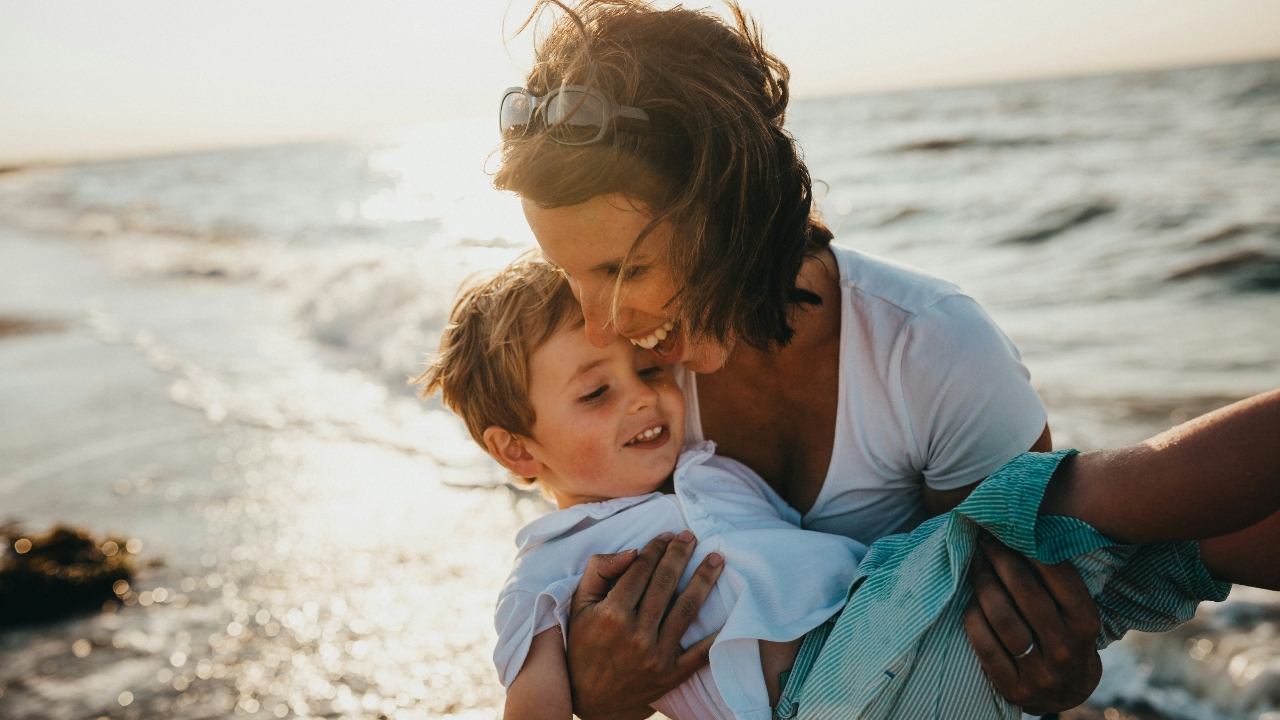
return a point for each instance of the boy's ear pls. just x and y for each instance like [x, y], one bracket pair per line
[510, 451]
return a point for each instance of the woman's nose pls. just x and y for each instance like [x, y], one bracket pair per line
[596, 311]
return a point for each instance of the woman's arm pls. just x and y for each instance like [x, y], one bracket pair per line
[1247, 557]
[541, 688]
[624, 632]
[1211, 476]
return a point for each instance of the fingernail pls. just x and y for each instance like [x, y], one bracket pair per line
[685, 536]
[666, 537]
[715, 560]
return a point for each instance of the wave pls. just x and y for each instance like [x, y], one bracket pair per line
[959, 143]
[1244, 270]
[1238, 230]
[1056, 222]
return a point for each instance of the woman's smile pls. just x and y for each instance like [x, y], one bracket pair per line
[651, 340]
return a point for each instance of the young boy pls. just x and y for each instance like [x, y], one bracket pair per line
[597, 429]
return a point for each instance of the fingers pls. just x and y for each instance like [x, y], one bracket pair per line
[601, 571]
[1038, 612]
[630, 588]
[686, 607]
[665, 579]
[991, 652]
[1072, 598]
[998, 608]
[1017, 601]
[696, 656]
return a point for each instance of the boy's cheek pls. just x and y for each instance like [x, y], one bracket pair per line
[592, 463]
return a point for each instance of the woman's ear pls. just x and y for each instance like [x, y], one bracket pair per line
[510, 451]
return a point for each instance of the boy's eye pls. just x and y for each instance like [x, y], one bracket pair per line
[594, 395]
[650, 372]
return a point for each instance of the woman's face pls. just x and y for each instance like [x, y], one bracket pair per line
[589, 242]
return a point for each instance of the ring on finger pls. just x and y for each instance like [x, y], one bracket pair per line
[1026, 652]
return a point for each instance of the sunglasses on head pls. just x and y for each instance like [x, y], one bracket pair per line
[572, 114]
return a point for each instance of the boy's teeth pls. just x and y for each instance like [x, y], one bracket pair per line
[647, 435]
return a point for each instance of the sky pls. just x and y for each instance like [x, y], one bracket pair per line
[88, 79]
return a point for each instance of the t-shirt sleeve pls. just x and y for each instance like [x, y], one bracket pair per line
[967, 396]
[520, 616]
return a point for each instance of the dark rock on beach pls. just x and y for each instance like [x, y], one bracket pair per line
[62, 573]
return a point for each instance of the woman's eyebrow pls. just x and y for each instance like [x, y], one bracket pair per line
[607, 264]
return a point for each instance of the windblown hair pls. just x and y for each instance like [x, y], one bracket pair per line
[482, 365]
[716, 163]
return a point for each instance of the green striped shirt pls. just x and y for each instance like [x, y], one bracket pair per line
[899, 649]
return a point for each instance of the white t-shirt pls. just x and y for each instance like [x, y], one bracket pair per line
[931, 391]
[778, 583]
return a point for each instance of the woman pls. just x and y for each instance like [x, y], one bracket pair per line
[648, 148]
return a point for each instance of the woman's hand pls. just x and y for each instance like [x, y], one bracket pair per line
[624, 632]
[1022, 606]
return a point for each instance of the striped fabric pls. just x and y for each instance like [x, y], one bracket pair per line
[899, 650]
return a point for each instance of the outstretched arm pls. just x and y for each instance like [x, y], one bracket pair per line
[1212, 476]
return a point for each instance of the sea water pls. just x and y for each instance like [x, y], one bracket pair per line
[227, 337]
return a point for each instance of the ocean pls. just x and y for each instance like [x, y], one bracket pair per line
[209, 353]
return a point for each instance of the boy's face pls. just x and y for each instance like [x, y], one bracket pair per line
[608, 421]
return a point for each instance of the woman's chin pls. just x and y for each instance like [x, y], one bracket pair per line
[702, 358]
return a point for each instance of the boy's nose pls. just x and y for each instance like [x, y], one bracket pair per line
[644, 397]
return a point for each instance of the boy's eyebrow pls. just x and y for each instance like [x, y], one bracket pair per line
[586, 366]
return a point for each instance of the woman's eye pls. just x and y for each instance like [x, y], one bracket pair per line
[633, 272]
[594, 395]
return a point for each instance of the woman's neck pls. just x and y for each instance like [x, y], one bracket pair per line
[776, 411]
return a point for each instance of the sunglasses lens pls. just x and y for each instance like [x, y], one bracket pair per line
[515, 112]
[576, 117]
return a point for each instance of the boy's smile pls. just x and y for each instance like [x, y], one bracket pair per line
[604, 419]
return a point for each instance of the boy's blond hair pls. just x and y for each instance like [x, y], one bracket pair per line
[482, 366]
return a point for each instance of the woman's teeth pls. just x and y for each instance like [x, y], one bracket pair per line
[657, 336]
[646, 435]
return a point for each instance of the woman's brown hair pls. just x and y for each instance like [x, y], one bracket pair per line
[716, 162]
